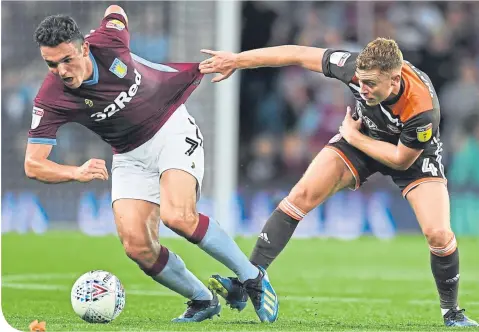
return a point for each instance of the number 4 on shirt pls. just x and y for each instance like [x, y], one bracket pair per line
[429, 167]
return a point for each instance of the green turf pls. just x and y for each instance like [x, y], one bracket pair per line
[359, 285]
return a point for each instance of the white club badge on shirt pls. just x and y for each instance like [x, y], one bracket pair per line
[36, 116]
[339, 58]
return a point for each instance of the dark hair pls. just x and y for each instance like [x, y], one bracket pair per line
[57, 29]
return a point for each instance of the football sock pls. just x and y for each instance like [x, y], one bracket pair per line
[445, 269]
[170, 271]
[277, 231]
[219, 245]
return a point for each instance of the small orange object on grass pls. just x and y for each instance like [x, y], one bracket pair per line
[36, 326]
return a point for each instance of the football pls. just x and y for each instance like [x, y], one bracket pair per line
[98, 297]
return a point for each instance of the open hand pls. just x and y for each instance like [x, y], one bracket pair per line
[223, 63]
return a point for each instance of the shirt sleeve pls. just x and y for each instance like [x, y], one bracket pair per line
[418, 130]
[45, 124]
[339, 64]
[113, 32]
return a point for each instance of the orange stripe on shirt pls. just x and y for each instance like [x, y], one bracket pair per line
[416, 97]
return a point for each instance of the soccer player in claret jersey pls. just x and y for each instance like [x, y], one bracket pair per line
[394, 130]
[138, 108]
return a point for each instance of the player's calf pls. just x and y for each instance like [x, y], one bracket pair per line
[326, 175]
[169, 270]
[445, 269]
[137, 224]
[211, 238]
[276, 233]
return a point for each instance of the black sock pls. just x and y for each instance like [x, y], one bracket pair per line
[446, 273]
[273, 238]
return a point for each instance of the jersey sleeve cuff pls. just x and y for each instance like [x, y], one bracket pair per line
[36, 140]
[325, 64]
[413, 145]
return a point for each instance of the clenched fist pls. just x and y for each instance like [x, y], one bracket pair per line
[92, 169]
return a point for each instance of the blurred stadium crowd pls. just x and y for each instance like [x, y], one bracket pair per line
[287, 114]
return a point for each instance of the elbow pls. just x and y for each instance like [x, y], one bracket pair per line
[404, 166]
[30, 169]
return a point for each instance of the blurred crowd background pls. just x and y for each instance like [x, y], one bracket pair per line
[286, 114]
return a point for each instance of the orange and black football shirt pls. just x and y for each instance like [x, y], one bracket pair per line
[411, 117]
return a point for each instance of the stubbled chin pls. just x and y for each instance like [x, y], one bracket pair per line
[74, 86]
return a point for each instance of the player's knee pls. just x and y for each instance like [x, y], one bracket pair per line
[135, 252]
[141, 253]
[438, 237]
[182, 221]
[303, 198]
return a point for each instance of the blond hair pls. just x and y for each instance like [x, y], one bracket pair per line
[382, 53]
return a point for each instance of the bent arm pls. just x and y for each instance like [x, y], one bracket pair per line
[398, 157]
[37, 165]
[307, 57]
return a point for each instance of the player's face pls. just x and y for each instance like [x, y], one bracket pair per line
[376, 86]
[69, 61]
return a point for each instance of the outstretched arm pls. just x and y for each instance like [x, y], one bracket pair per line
[225, 63]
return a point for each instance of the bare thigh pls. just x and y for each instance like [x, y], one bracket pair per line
[326, 175]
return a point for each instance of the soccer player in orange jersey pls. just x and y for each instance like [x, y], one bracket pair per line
[393, 129]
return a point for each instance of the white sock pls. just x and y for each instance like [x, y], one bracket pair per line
[444, 311]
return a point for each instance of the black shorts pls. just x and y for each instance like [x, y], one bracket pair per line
[426, 168]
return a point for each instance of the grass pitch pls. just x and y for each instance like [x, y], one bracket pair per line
[323, 285]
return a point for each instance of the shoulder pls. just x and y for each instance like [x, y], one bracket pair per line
[339, 58]
[112, 33]
[419, 92]
[339, 64]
